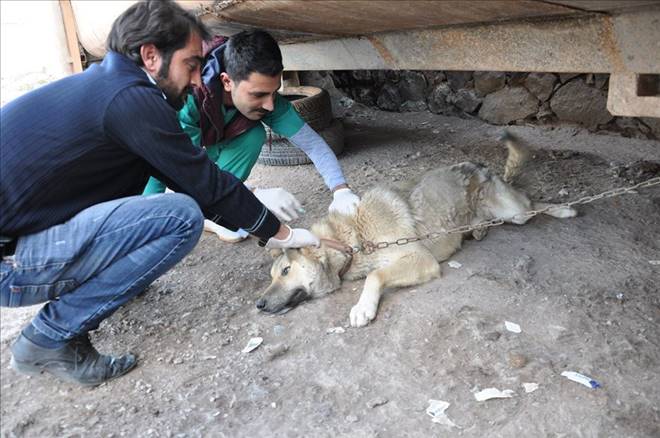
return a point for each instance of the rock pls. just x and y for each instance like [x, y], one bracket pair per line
[486, 82]
[580, 103]
[509, 104]
[565, 77]
[389, 98]
[351, 418]
[466, 100]
[638, 171]
[545, 112]
[361, 75]
[365, 95]
[541, 85]
[653, 124]
[517, 79]
[412, 86]
[631, 127]
[393, 75]
[379, 77]
[601, 80]
[410, 106]
[437, 101]
[433, 78]
[458, 79]
[341, 79]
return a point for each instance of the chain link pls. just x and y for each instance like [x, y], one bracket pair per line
[369, 247]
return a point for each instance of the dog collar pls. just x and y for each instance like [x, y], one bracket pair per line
[343, 248]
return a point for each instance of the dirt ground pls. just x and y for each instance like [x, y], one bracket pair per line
[584, 291]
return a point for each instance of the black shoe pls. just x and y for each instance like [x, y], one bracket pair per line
[77, 361]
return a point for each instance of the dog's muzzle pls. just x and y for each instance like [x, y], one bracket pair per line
[298, 296]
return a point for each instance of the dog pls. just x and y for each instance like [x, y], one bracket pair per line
[441, 199]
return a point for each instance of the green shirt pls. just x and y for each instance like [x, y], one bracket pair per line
[284, 121]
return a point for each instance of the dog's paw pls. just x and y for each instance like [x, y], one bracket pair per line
[362, 314]
[563, 212]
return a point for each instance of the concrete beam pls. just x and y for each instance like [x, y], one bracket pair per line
[628, 42]
[627, 95]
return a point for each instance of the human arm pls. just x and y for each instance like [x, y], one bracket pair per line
[344, 200]
[144, 124]
[285, 120]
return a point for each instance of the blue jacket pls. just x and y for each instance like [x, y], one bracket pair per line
[97, 136]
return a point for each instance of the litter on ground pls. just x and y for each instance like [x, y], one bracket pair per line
[581, 379]
[490, 393]
[454, 264]
[336, 330]
[437, 410]
[530, 387]
[512, 327]
[252, 344]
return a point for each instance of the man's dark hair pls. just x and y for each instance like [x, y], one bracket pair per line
[252, 51]
[162, 23]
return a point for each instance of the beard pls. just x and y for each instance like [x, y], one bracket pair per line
[175, 97]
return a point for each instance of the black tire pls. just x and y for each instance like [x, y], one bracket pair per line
[282, 153]
[313, 105]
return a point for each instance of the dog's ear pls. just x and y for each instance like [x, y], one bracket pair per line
[315, 254]
[275, 253]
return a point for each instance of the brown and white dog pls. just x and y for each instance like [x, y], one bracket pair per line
[444, 198]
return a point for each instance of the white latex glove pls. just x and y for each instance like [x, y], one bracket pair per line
[282, 203]
[344, 201]
[297, 238]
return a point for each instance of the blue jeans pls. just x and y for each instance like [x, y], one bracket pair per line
[87, 267]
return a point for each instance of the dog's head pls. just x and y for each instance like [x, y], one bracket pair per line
[297, 275]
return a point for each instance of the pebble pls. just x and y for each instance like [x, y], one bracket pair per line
[517, 360]
[351, 418]
[378, 401]
[492, 336]
[276, 351]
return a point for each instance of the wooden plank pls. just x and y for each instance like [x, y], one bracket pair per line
[603, 5]
[362, 17]
[71, 38]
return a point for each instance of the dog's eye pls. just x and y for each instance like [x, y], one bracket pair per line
[285, 270]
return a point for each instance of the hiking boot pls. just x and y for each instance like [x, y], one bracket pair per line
[225, 234]
[77, 361]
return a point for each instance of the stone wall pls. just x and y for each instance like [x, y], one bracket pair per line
[496, 97]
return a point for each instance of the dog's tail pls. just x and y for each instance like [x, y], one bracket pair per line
[518, 155]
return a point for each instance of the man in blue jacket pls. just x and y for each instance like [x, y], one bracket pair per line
[76, 154]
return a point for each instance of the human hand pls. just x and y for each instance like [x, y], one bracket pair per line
[296, 238]
[282, 203]
[344, 201]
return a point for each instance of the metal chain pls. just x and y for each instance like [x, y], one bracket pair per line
[369, 247]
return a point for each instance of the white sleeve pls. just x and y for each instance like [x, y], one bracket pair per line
[325, 161]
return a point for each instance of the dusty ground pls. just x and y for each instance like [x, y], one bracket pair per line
[582, 290]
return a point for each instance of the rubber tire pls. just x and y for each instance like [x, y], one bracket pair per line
[315, 108]
[282, 153]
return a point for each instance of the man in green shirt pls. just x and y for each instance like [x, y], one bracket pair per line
[241, 77]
